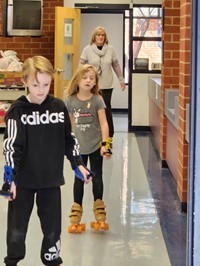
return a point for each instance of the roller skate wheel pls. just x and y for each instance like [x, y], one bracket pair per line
[105, 226]
[96, 226]
[99, 226]
[92, 224]
[79, 228]
[71, 228]
[83, 227]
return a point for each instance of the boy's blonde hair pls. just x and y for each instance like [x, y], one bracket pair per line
[96, 31]
[35, 64]
[80, 71]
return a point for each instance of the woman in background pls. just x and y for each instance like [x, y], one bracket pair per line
[103, 56]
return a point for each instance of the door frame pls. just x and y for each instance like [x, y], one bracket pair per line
[67, 43]
[193, 210]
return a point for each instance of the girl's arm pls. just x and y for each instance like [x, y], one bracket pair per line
[104, 130]
[81, 168]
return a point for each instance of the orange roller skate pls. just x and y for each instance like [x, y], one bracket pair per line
[75, 218]
[100, 216]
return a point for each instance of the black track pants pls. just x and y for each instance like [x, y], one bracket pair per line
[48, 203]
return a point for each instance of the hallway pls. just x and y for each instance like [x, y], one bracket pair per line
[146, 228]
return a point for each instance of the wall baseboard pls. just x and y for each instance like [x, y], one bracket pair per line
[164, 164]
[119, 111]
[139, 128]
[182, 206]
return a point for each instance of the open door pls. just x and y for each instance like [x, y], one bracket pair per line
[67, 47]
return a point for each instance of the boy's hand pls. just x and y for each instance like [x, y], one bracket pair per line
[85, 174]
[12, 191]
[8, 189]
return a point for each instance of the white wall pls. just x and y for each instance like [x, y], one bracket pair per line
[109, 22]
[140, 99]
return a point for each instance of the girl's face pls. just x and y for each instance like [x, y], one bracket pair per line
[87, 81]
[38, 88]
[100, 38]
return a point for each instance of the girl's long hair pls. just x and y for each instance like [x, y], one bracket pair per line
[73, 88]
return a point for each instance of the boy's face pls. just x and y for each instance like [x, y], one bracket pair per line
[38, 88]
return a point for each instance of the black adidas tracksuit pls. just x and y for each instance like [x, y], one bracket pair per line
[36, 139]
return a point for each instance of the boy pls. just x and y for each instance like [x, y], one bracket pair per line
[37, 136]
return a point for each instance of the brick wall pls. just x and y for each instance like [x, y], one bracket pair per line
[30, 46]
[184, 96]
[170, 67]
[175, 73]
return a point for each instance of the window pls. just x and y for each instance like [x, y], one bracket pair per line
[146, 39]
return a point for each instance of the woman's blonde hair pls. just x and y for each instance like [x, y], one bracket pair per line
[35, 64]
[80, 71]
[96, 31]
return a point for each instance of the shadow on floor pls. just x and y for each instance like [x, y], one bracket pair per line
[163, 189]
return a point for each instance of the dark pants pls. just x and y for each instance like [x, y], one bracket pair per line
[49, 211]
[107, 95]
[96, 165]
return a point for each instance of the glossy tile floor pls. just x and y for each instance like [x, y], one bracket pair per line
[146, 228]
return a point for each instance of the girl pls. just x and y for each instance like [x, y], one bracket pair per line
[87, 111]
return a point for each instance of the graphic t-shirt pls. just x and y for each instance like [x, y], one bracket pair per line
[85, 121]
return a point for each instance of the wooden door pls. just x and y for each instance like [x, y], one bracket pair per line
[67, 47]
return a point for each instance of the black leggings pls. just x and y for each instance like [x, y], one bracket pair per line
[96, 165]
[49, 211]
[107, 95]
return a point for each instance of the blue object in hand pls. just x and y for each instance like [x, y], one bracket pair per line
[80, 176]
[5, 191]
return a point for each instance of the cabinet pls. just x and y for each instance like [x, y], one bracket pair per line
[154, 92]
[140, 98]
[11, 88]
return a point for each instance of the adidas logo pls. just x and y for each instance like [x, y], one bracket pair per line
[54, 252]
[46, 118]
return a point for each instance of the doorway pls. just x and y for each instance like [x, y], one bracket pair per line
[109, 22]
[110, 17]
